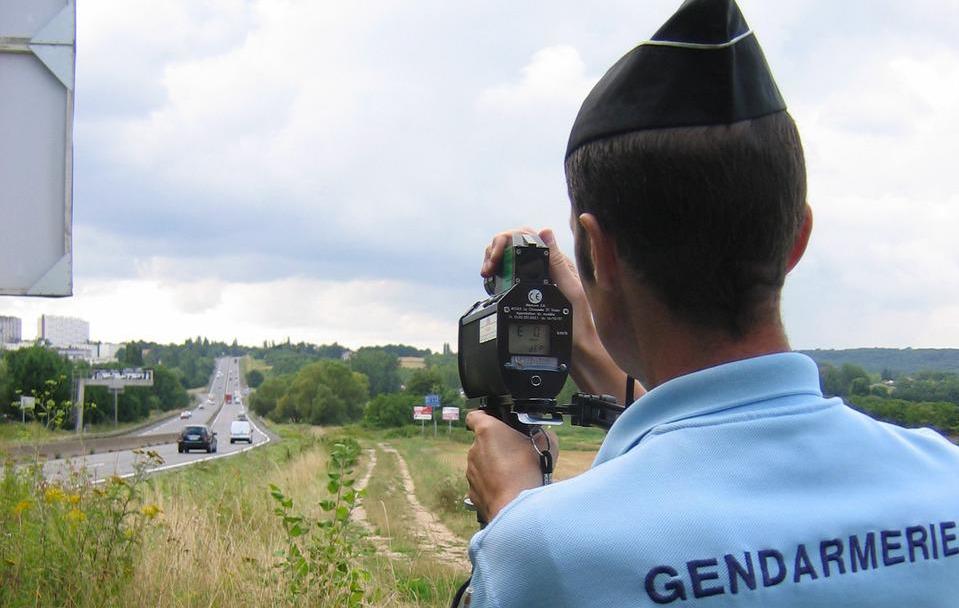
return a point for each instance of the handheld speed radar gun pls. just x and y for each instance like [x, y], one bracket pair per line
[515, 347]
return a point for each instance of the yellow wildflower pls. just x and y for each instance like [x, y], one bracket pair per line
[73, 499]
[150, 511]
[53, 494]
[21, 506]
[75, 516]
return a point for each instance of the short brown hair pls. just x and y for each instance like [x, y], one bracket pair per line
[705, 215]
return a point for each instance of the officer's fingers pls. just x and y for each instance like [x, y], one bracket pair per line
[557, 259]
[477, 419]
[494, 251]
[562, 270]
[494, 254]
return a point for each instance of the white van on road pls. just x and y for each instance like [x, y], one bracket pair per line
[241, 430]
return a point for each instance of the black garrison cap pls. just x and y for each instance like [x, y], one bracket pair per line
[703, 67]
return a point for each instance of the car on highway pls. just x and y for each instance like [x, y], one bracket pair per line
[185, 414]
[241, 430]
[196, 437]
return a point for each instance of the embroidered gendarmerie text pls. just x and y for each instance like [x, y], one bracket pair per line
[748, 571]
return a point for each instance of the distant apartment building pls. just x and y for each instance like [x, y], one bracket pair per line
[105, 351]
[10, 330]
[94, 352]
[63, 331]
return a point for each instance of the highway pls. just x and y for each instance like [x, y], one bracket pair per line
[225, 380]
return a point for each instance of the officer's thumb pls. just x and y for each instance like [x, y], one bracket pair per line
[556, 257]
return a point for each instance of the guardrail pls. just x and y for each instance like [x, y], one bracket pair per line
[84, 447]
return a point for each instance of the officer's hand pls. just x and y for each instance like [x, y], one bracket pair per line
[501, 463]
[561, 270]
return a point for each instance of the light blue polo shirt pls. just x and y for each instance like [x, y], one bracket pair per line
[738, 485]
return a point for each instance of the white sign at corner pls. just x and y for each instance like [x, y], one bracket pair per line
[37, 58]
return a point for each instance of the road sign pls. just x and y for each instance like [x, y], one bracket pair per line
[37, 57]
[451, 413]
[27, 403]
[422, 412]
[432, 400]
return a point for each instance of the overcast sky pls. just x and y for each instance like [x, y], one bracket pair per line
[331, 171]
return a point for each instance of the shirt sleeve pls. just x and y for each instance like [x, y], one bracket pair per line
[512, 559]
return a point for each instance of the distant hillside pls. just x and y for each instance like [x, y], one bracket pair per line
[898, 360]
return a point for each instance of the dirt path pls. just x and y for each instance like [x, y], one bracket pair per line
[381, 543]
[431, 535]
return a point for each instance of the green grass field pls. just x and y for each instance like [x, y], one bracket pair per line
[209, 535]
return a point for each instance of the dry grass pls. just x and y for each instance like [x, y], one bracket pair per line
[420, 579]
[217, 542]
[438, 467]
[219, 532]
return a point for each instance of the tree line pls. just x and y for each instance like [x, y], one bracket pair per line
[43, 373]
[367, 386]
[328, 384]
[305, 382]
[922, 399]
[902, 360]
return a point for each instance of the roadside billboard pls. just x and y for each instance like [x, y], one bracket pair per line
[422, 412]
[451, 414]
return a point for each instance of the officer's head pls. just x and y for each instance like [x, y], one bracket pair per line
[684, 158]
[704, 217]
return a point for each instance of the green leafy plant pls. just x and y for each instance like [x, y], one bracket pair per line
[52, 412]
[320, 560]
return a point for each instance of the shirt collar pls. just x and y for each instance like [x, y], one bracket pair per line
[709, 391]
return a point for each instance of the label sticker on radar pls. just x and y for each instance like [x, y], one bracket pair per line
[487, 328]
[535, 296]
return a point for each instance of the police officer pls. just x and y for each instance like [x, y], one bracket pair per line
[732, 481]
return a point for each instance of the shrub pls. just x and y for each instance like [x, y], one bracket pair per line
[390, 410]
[71, 542]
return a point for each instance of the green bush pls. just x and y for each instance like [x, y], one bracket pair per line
[390, 410]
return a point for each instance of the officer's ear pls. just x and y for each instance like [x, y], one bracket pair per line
[801, 240]
[603, 257]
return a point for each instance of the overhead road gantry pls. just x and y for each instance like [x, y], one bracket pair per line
[115, 381]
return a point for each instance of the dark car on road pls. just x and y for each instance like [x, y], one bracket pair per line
[196, 437]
